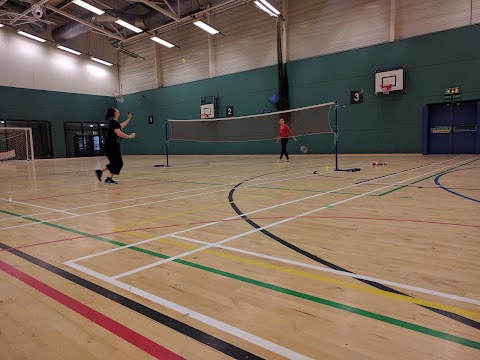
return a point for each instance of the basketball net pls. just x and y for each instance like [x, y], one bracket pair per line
[386, 88]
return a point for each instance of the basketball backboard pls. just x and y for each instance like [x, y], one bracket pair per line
[396, 77]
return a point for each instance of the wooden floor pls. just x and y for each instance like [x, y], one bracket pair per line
[222, 257]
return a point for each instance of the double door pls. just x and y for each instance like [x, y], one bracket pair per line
[452, 128]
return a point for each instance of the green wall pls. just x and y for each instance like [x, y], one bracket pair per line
[57, 107]
[383, 124]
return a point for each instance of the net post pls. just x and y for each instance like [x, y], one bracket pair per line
[166, 146]
[32, 154]
[166, 141]
[336, 136]
[336, 144]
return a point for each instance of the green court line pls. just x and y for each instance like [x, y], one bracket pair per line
[318, 300]
[428, 177]
[305, 190]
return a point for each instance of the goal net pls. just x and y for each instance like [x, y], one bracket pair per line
[302, 121]
[16, 144]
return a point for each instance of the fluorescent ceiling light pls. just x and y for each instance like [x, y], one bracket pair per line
[206, 27]
[68, 49]
[101, 61]
[31, 36]
[163, 42]
[129, 26]
[264, 5]
[270, 7]
[88, 7]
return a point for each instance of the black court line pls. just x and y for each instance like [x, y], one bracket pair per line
[455, 317]
[187, 330]
[395, 173]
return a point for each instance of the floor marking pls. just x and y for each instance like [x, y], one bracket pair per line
[188, 253]
[37, 206]
[184, 311]
[137, 308]
[127, 334]
[230, 218]
[415, 182]
[135, 205]
[338, 272]
[378, 317]
[333, 304]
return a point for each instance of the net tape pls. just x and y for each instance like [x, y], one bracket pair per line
[302, 121]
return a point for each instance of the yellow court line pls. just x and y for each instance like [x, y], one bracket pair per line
[171, 215]
[300, 273]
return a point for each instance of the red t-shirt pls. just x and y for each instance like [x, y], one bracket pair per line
[285, 131]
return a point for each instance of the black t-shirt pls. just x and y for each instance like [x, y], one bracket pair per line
[112, 138]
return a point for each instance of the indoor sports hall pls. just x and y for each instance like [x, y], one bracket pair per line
[236, 179]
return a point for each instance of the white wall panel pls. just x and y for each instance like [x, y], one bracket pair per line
[250, 40]
[26, 63]
[193, 43]
[137, 74]
[427, 16]
[475, 11]
[318, 27]
[94, 45]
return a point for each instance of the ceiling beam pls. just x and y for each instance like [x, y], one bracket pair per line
[170, 7]
[160, 10]
[227, 5]
[84, 22]
[29, 10]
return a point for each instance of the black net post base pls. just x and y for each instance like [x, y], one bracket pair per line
[348, 170]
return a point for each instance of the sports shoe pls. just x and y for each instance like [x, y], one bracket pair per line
[99, 174]
[110, 181]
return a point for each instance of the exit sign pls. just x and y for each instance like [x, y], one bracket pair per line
[452, 93]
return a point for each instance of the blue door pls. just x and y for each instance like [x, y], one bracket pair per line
[452, 128]
[464, 128]
[439, 129]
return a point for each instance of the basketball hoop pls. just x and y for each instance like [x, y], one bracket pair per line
[203, 116]
[386, 88]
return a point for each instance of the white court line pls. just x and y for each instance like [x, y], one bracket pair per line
[186, 312]
[251, 212]
[338, 272]
[152, 196]
[38, 206]
[148, 203]
[113, 202]
[144, 197]
[164, 261]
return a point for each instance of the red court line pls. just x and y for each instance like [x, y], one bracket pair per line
[107, 323]
[341, 217]
[86, 236]
[238, 219]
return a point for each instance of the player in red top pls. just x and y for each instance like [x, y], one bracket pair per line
[285, 133]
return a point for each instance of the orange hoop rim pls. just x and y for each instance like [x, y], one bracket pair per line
[386, 88]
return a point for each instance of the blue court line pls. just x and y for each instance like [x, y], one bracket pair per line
[451, 191]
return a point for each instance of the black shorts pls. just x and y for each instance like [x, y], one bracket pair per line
[115, 157]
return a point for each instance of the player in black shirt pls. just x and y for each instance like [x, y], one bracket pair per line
[112, 144]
